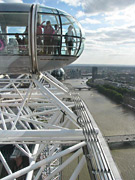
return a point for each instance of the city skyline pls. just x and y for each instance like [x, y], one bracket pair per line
[108, 25]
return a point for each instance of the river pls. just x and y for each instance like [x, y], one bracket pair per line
[112, 119]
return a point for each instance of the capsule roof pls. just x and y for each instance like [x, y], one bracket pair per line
[16, 7]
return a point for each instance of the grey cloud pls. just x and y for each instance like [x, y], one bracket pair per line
[131, 27]
[99, 6]
[89, 42]
[115, 54]
[93, 34]
[121, 34]
[112, 35]
[132, 42]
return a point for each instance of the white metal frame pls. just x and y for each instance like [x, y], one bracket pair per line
[39, 116]
[37, 109]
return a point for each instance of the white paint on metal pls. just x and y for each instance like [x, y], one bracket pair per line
[40, 115]
[78, 169]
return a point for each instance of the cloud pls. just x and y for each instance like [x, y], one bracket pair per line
[109, 29]
[112, 35]
[72, 2]
[96, 6]
[120, 34]
[41, 2]
[89, 21]
[102, 6]
[123, 16]
[103, 43]
[80, 14]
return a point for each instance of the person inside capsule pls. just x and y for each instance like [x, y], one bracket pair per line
[48, 38]
[2, 44]
[19, 40]
[40, 27]
[69, 39]
[25, 36]
[21, 43]
[56, 40]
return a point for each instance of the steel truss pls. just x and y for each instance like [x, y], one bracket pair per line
[42, 122]
[37, 119]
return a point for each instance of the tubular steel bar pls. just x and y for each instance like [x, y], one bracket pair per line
[78, 169]
[43, 162]
[36, 116]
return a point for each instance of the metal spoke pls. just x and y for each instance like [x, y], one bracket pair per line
[39, 120]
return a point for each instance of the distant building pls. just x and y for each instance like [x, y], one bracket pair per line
[94, 73]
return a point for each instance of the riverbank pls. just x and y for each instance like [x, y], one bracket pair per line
[112, 119]
[119, 95]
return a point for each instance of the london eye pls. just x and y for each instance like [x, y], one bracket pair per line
[43, 126]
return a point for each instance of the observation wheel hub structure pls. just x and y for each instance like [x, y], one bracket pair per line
[45, 129]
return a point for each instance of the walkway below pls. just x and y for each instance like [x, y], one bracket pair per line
[120, 141]
[82, 88]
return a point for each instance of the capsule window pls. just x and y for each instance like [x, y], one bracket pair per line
[57, 33]
[14, 33]
[69, 41]
[81, 48]
[47, 10]
[48, 34]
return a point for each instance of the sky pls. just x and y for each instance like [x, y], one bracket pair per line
[109, 27]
